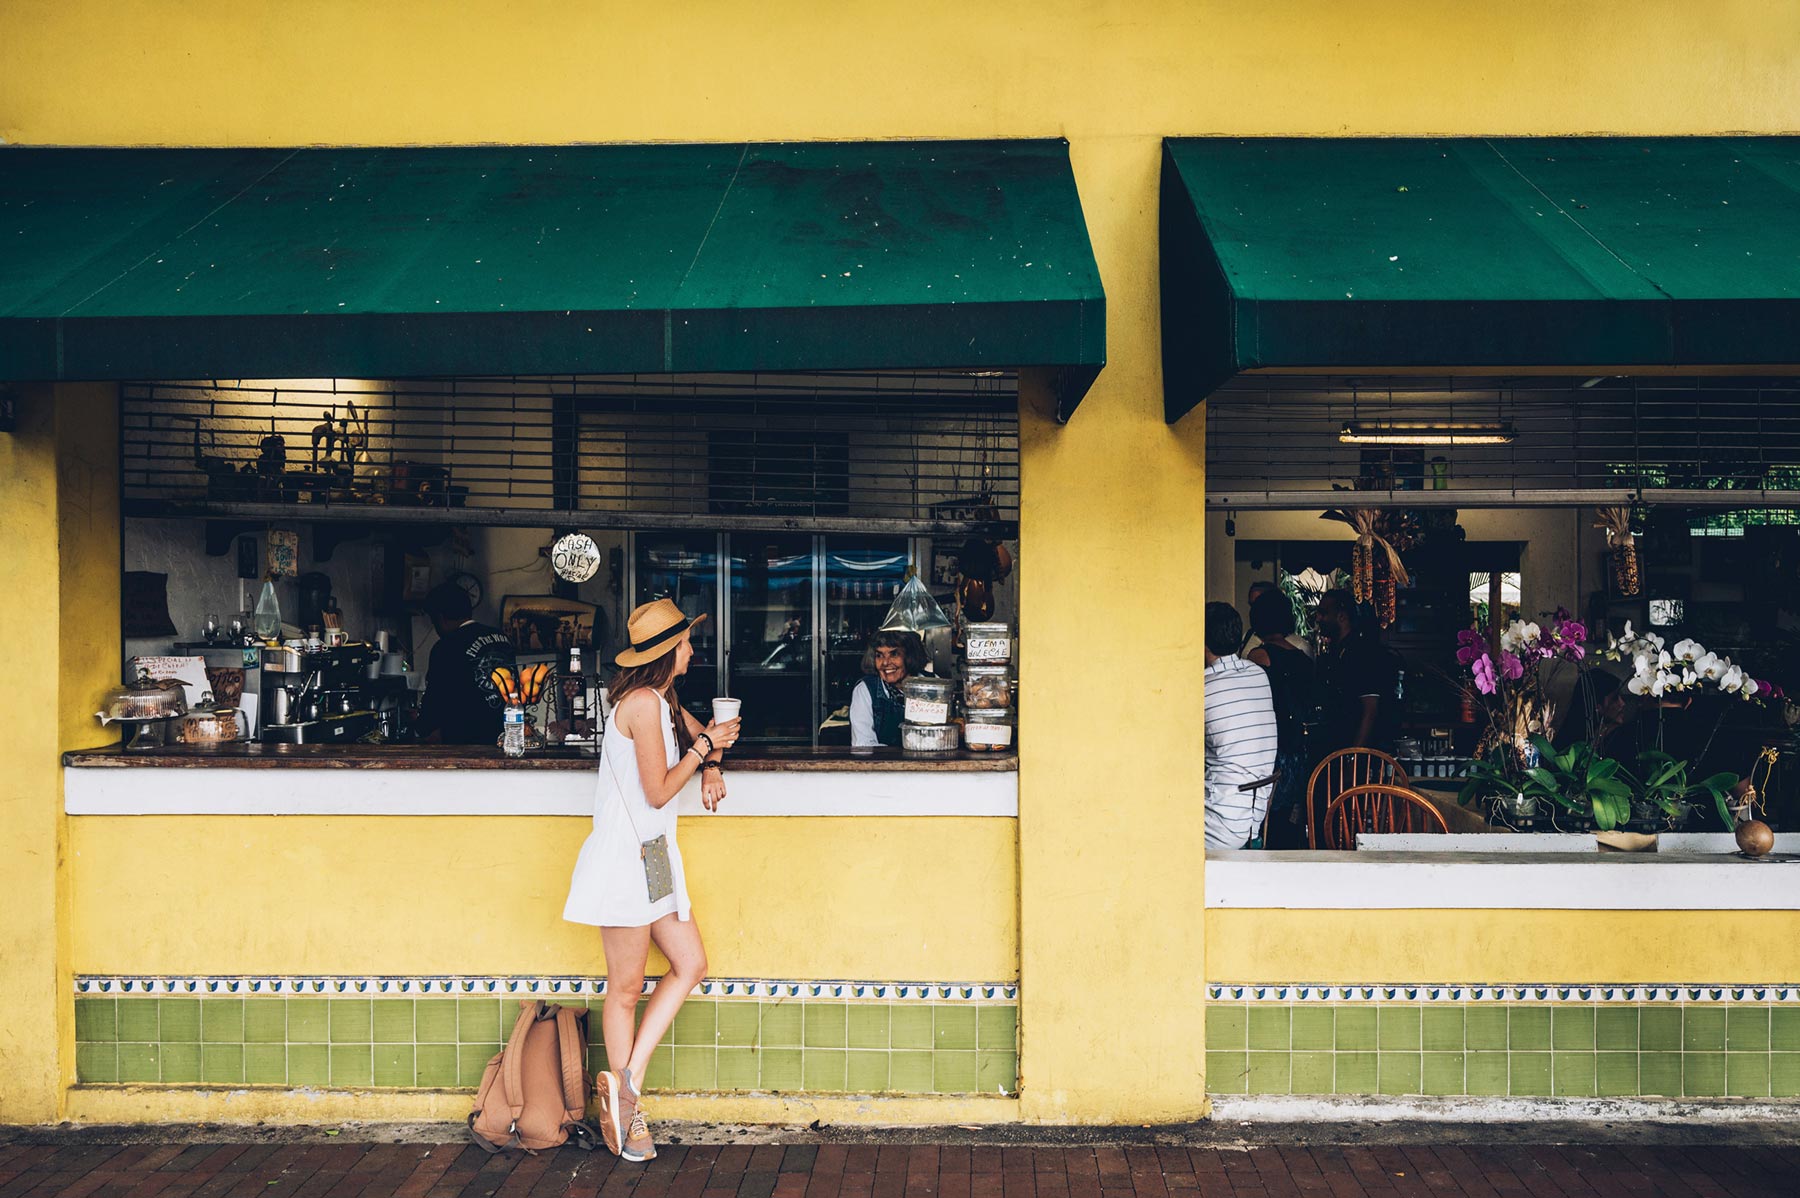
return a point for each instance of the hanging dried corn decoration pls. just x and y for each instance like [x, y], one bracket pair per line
[1616, 521]
[1387, 593]
[1378, 573]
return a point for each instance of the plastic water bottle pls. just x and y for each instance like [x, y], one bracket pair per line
[512, 734]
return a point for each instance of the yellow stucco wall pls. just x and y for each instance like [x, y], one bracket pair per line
[1110, 836]
[31, 966]
[1346, 947]
[58, 624]
[276, 72]
[886, 899]
[1109, 880]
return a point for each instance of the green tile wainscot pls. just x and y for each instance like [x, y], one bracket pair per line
[1572, 1050]
[341, 1041]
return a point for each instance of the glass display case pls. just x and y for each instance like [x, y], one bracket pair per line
[772, 635]
[790, 616]
[687, 568]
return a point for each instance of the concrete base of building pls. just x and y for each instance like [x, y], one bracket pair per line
[1346, 1108]
[275, 1105]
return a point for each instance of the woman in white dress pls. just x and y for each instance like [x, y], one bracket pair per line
[652, 748]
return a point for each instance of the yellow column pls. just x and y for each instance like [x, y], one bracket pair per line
[1110, 834]
[59, 638]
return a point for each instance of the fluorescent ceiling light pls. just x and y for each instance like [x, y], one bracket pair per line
[1401, 433]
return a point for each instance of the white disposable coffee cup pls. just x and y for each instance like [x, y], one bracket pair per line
[726, 709]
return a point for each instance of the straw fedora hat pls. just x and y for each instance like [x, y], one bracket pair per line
[654, 629]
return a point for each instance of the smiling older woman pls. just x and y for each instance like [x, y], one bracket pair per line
[876, 704]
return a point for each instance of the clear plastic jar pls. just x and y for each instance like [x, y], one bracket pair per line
[928, 738]
[927, 700]
[990, 730]
[989, 643]
[987, 687]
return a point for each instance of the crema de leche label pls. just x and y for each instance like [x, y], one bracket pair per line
[990, 648]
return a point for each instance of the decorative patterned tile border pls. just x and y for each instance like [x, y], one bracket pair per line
[1290, 992]
[438, 1033]
[297, 985]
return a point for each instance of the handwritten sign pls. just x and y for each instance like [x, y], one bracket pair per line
[189, 671]
[575, 557]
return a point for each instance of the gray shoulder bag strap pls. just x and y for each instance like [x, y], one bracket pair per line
[659, 878]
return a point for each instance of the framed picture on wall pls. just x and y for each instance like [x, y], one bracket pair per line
[546, 623]
[415, 578]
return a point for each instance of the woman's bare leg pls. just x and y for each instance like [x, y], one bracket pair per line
[627, 951]
[679, 941]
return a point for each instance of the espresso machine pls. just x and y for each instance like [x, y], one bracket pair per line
[311, 696]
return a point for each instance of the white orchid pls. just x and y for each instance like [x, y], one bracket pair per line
[1520, 634]
[1689, 665]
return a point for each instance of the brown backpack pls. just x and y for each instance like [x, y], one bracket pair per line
[534, 1091]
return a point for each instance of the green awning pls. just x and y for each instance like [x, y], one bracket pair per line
[392, 263]
[1476, 254]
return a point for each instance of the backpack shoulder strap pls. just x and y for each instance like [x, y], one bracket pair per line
[571, 1039]
[512, 1059]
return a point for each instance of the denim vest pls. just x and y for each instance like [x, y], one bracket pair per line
[887, 707]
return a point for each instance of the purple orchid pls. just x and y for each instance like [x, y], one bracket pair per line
[1485, 682]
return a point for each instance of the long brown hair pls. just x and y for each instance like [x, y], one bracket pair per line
[657, 676]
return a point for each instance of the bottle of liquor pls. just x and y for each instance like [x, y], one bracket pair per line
[574, 689]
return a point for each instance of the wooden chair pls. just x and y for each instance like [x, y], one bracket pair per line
[1339, 772]
[1261, 839]
[1379, 808]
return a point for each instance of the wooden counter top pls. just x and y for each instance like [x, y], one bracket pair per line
[755, 759]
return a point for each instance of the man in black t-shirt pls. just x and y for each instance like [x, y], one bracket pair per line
[1363, 679]
[461, 706]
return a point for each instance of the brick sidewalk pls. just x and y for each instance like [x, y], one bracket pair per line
[49, 1169]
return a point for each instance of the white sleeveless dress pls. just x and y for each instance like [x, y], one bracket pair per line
[608, 889]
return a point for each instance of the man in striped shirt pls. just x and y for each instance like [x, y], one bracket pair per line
[1240, 733]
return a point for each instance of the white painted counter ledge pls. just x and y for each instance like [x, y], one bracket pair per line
[222, 790]
[1692, 872]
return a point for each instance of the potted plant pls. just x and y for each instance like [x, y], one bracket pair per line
[1664, 795]
[1577, 788]
[1594, 790]
[1660, 672]
[1509, 680]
